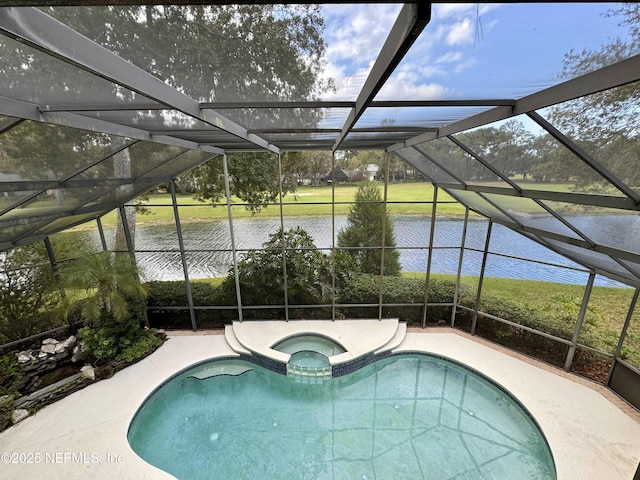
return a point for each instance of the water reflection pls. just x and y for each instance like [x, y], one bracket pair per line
[208, 246]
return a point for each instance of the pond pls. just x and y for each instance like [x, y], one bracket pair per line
[208, 246]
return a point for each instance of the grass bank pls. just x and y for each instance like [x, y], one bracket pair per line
[404, 199]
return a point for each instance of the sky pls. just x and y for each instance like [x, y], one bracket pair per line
[467, 51]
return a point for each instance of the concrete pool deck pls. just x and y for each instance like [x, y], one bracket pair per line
[592, 434]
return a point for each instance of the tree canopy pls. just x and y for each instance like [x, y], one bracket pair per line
[362, 239]
[211, 53]
[262, 278]
[605, 123]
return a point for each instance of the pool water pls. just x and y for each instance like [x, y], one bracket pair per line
[314, 343]
[406, 417]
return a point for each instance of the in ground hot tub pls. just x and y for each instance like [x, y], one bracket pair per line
[309, 361]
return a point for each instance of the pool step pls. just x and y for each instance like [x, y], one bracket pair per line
[233, 341]
[396, 340]
[311, 375]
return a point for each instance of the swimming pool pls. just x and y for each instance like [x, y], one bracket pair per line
[409, 416]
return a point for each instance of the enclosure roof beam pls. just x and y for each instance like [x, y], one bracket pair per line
[516, 187]
[614, 275]
[611, 76]
[599, 248]
[608, 201]
[60, 3]
[40, 31]
[62, 182]
[410, 22]
[585, 157]
[541, 236]
[30, 111]
[351, 104]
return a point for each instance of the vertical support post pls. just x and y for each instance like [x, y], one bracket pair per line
[284, 250]
[185, 270]
[579, 322]
[103, 239]
[623, 334]
[127, 232]
[463, 242]
[234, 253]
[56, 275]
[51, 255]
[333, 236]
[383, 237]
[427, 277]
[481, 279]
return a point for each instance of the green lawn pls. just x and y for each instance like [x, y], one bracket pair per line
[606, 314]
[306, 201]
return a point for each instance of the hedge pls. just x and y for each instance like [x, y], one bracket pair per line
[361, 289]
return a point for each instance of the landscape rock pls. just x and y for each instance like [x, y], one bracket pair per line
[49, 341]
[66, 345]
[48, 348]
[88, 372]
[25, 357]
[19, 414]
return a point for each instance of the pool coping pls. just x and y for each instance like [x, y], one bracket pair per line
[597, 440]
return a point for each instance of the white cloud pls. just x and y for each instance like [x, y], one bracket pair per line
[461, 32]
[408, 86]
[444, 10]
[356, 33]
[462, 66]
[347, 86]
[450, 57]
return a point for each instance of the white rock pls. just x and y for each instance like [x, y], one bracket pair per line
[19, 414]
[50, 341]
[88, 372]
[42, 355]
[24, 357]
[48, 348]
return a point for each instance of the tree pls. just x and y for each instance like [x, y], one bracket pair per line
[227, 53]
[261, 272]
[28, 293]
[253, 177]
[362, 237]
[102, 286]
[605, 123]
[319, 165]
[507, 148]
[297, 165]
[222, 53]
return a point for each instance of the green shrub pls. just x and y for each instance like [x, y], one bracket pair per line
[109, 340]
[366, 289]
[29, 297]
[141, 347]
[261, 274]
[6, 410]
[174, 294]
[11, 374]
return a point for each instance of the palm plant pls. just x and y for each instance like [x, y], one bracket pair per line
[102, 286]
